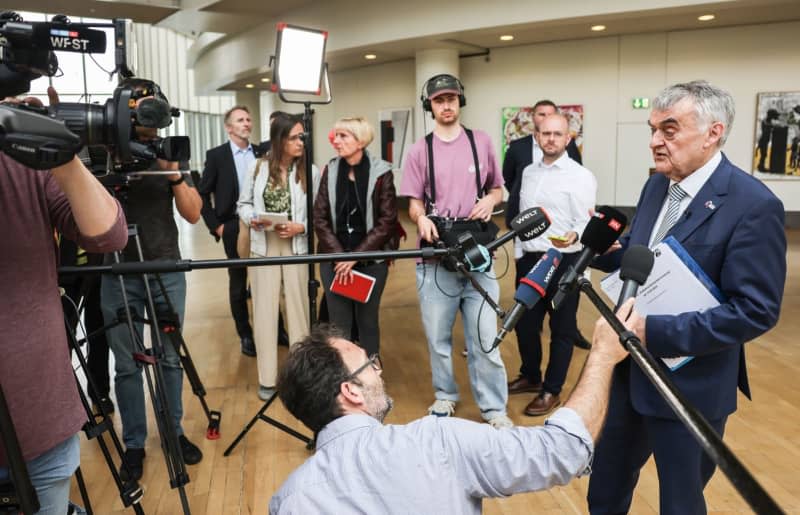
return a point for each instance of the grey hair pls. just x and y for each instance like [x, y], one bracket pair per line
[711, 104]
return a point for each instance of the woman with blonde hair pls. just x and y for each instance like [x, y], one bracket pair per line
[355, 211]
[277, 184]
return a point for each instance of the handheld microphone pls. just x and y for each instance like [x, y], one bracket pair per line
[527, 225]
[603, 229]
[636, 266]
[531, 288]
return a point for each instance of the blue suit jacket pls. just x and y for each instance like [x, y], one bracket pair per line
[734, 229]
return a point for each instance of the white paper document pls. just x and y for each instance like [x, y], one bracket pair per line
[676, 285]
[274, 218]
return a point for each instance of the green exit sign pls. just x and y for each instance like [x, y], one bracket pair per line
[641, 103]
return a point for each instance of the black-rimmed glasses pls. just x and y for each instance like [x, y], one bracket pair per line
[374, 361]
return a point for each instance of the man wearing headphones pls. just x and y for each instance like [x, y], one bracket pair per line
[453, 172]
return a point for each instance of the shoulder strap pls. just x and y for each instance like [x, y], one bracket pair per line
[471, 138]
[429, 141]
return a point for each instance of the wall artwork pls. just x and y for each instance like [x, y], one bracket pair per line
[395, 134]
[777, 135]
[518, 122]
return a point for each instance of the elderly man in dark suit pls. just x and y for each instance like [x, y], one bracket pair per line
[520, 153]
[225, 170]
[733, 227]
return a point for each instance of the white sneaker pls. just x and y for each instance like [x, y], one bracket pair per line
[442, 408]
[501, 421]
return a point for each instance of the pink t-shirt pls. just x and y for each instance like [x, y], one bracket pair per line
[454, 171]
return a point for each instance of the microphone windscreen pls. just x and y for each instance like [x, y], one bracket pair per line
[637, 264]
[603, 229]
[530, 223]
[533, 286]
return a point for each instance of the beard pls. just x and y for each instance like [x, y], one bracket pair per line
[378, 403]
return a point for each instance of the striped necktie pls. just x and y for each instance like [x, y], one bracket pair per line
[676, 194]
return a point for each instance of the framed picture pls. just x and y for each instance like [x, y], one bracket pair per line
[517, 122]
[777, 135]
[395, 134]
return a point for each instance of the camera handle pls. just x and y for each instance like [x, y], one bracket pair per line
[34, 139]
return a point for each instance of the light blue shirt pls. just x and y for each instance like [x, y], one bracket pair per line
[433, 465]
[243, 159]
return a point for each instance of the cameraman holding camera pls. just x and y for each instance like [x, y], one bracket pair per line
[463, 160]
[149, 205]
[35, 368]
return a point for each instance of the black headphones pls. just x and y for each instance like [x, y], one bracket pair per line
[443, 77]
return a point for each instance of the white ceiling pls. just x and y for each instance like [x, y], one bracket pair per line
[231, 17]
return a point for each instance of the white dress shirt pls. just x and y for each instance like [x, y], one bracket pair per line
[691, 184]
[567, 191]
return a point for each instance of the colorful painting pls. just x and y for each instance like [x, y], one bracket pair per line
[518, 122]
[777, 135]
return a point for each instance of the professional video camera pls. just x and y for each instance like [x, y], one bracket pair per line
[42, 137]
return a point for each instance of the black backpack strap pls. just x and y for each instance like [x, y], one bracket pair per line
[471, 139]
[429, 141]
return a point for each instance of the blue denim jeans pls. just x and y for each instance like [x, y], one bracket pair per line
[442, 294]
[128, 381]
[50, 473]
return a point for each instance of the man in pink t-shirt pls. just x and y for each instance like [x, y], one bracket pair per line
[443, 293]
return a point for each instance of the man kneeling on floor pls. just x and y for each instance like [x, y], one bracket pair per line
[434, 464]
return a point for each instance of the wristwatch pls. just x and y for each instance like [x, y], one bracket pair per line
[175, 183]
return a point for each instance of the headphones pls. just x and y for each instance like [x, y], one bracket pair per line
[456, 84]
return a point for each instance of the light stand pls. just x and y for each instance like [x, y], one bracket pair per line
[701, 430]
[299, 68]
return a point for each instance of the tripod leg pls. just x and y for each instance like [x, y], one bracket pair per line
[171, 328]
[260, 416]
[248, 426]
[130, 492]
[87, 504]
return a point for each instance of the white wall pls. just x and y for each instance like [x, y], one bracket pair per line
[604, 75]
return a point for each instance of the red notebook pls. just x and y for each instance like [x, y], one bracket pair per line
[359, 290]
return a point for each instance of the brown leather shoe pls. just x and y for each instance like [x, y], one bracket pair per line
[542, 404]
[523, 385]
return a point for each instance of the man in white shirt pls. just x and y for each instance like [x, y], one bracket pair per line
[566, 190]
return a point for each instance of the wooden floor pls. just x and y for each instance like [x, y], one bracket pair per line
[763, 433]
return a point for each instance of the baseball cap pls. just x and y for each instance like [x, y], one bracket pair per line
[442, 84]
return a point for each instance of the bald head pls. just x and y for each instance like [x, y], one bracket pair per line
[553, 137]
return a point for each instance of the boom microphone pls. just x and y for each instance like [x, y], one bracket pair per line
[603, 229]
[531, 288]
[636, 266]
[67, 37]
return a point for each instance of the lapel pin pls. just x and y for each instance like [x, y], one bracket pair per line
[710, 205]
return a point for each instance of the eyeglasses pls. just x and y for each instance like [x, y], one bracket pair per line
[374, 361]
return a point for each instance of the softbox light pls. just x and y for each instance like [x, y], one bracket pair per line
[299, 59]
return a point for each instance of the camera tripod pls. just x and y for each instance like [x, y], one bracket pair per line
[130, 491]
[151, 360]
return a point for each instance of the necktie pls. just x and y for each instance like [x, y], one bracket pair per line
[676, 194]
